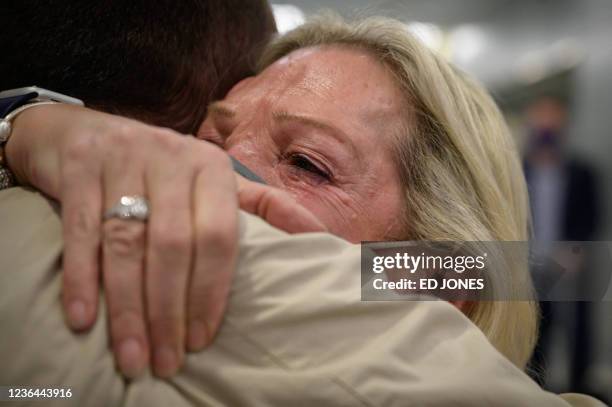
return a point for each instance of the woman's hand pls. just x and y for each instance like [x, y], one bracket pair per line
[185, 251]
[166, 282]
[276, 207]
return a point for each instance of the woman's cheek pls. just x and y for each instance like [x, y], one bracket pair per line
[338, 214]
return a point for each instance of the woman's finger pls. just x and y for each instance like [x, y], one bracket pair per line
[276, 207]
[169, 251]
[123, 260]
[81, 212]
[216, 241]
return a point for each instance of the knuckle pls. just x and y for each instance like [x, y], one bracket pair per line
[210, 155]
[196, 304]
[80, 223]
[170, 239]
[123, 135]
[74, 285]
[222, 238]
[125, 320]
[214, 156]
[164, 326]
[81, 148]
[169, 142]
[123, 238]
[164, 317]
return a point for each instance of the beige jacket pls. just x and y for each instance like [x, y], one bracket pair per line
[295, 333]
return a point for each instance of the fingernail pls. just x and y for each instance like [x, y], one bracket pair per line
[77, 315]
[130, 358]
[166, 361]
[197, 336]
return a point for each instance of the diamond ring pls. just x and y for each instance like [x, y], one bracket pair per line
[129, 207]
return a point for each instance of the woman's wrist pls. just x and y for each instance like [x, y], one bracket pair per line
[15, 156]
[7, 178]
[31, 153]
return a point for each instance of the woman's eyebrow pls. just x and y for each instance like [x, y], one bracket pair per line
[220, 109]
[330, 129]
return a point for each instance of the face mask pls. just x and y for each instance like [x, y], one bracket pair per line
[545, 139]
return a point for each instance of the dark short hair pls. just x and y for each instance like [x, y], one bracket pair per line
[161, 61]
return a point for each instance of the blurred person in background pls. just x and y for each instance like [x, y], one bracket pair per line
[564, 200]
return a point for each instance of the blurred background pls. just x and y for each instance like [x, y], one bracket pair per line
[548, 63]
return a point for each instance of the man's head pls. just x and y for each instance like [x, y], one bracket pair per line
[159, 61]
[547, 112]
[547, 119]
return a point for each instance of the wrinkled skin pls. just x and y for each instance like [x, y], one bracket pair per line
[319, 124]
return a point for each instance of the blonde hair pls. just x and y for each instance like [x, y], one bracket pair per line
[457, 160]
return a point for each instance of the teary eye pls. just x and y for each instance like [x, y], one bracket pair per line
[303, 163]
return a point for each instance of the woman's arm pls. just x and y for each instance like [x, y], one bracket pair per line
[169, 277]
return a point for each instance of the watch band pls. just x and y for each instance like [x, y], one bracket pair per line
[7, 179]
[8, 104]
[14, 98]
[6, 123]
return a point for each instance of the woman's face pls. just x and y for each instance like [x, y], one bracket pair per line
[319, 124]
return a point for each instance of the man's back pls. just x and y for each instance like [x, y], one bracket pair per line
[295, 333]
